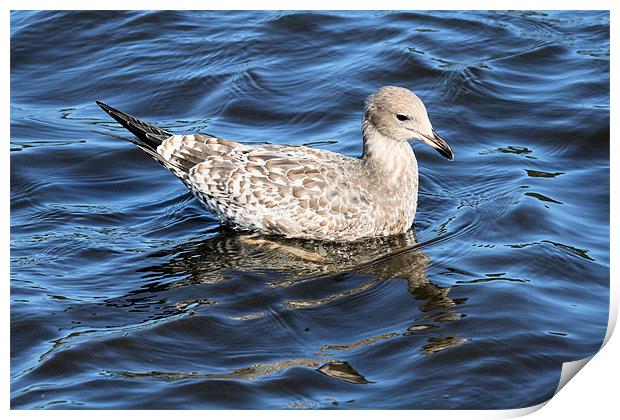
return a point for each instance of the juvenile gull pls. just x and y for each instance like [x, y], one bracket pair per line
[298, 191]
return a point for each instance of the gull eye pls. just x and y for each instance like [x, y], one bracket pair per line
[402, 117]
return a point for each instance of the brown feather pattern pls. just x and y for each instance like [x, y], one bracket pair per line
[302, 192]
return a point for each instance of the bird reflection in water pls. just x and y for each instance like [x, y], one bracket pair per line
[291, 262]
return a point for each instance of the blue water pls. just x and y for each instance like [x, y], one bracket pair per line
[126, 293]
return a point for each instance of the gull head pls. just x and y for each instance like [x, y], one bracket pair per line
[398, 114]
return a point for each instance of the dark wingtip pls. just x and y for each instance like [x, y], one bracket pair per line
[106, 108]
[119, 116]
[148, 134]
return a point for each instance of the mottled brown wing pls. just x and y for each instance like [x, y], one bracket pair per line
[181, 153]
[292, 190]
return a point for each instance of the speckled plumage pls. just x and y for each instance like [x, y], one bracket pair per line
[302, 192]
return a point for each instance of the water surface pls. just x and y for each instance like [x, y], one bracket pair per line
[125, 293]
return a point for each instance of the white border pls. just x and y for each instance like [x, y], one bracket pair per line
[593, 394]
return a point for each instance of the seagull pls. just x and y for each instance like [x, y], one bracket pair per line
[302, 192]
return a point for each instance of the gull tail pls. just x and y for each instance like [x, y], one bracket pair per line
[148, 136]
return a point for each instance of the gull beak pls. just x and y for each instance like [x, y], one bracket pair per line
[439, 144]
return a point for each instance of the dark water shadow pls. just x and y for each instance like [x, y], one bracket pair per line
[283, 266]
